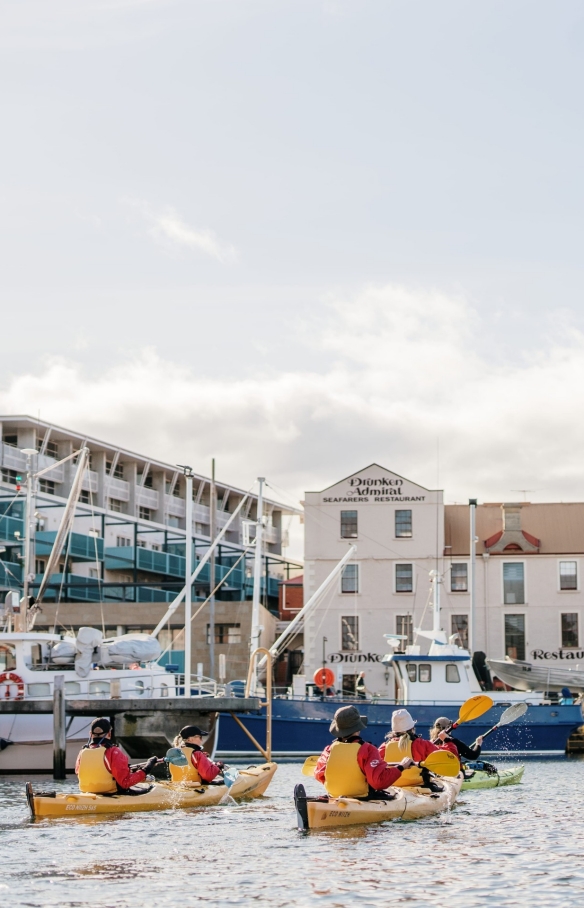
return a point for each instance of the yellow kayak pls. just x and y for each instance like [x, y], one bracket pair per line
[406, 804]
[250, 783]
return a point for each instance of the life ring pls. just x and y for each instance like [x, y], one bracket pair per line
[10, 678]
[327, 674]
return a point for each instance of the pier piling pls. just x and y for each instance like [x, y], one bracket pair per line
[59, 729]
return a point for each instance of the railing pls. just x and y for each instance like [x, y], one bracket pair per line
[117, 488]
[12, 458]
[148, 498]
[79, 546]
[55, 475]
[200, 686]
[10, 526]
[90, 481]
[130, 687]
[174, 506]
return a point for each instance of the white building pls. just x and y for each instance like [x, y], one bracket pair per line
[528, 599]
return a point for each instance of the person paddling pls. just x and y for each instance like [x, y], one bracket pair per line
[447, 742]
[199, 767]
[102, 768]
[350, 767]
[402, 741]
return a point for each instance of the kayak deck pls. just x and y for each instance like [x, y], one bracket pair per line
[405, 804]
[250, 783]
[480, 779]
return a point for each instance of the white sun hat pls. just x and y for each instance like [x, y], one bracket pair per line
[401, 721]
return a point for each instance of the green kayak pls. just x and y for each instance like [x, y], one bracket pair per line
[480, 779]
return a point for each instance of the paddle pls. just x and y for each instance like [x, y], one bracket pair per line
[472, 709]
[510, 714]
[440, 762]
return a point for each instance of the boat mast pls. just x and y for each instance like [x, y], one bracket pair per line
[257, 582]
[472, 585]
[28, 539]
[436, 580]
[188, 570]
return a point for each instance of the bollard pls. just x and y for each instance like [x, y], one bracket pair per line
[59, 729]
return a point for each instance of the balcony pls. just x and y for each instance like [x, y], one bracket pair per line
[10, 574]
[9, 527]
[12, 459]
[55, 475]
[90, 482]
[147, 498]
[175, 507]
[79, 548]
[88, 589]
[117, 488]
[121, 558]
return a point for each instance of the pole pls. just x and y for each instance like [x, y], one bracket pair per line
[257, 582]
[324, 642]
[28, 538]
[212, 520]
[188, 571]
[59, 729]
[436, 581]
[472, 578]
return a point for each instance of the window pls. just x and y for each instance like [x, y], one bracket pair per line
[404, 578]
[141, 544]
[570, 629]
[156, 547]
[10, 476]
[425, 674]
[515, 636]
[84, 496]
[412, 671]
[350, 579]
[225, 633]
[459, 626]
[147, 484]
[348, 524]
[144, 513]
[350, 633]
[118, 470]
[114, 504]
[568, 575]
[46, 485]
[513, 583]
[459, 578]
[51, 448]
[404, 627]
[39, 566]
[403, 524]
[452, 675]
[123, 540]
[10, 440]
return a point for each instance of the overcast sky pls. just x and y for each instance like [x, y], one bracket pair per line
[300, 235]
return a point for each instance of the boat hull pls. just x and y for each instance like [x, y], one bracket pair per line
[511, 776]
[527, 676]
[301, 727]
[251, 783]
[407, 804]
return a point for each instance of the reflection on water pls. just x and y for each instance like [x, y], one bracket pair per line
[505, 847]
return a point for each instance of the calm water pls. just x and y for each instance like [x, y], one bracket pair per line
[512, 846]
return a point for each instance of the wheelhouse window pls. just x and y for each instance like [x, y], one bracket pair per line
[452, 673]
[459, 578]
[459, 626]
[515, 637]
[404, 627]
[412, 670]
[350, 633]
[425, 673]
[403, 524]
[568, 575]
[569, 629]
[348, 524]
[513, 583]
[350, 579]
[404, 578]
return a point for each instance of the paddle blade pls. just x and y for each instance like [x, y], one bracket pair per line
[443, 763]
[176, 757]
[230, 775]
[512, 713]
[310, 765]
[474, 708]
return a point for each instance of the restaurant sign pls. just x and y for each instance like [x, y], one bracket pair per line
[376, 489]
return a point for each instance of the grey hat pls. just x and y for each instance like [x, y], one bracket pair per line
[442, 722]
[347, 722]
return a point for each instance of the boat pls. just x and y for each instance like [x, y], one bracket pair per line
[405, 804]
[527, 676]
[481, 779]
[250, 783]
[429, 685]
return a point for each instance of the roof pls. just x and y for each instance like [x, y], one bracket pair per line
[294, 581]
[558, 527]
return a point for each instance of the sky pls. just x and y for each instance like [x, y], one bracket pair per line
[300, 236]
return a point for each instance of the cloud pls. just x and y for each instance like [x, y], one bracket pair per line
[406, 373]
[169, 230]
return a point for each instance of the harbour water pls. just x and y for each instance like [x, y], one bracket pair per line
[505, 847]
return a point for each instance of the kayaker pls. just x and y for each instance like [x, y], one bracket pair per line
[402, 741]
[350, 767]
[199, 767]
[103, 768]
[445, 742]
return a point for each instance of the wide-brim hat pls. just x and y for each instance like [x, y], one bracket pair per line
[347, 722]
[401, 721]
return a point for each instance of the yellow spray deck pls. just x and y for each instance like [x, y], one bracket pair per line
[250, 783]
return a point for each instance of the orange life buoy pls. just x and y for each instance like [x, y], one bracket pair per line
[10, 678]
[324, 677]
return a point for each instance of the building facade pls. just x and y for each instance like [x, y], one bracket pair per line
[126, 555]
[528, 589]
